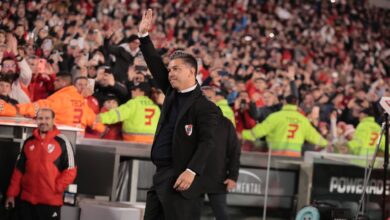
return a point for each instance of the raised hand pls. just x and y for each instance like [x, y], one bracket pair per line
[146, 22]
[291, 72]
[12, 44]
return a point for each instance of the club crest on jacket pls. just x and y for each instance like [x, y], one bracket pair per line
[50, 148]
[188, 129]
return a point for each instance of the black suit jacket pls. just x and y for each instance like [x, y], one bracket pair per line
[191, 147]
[226, 163]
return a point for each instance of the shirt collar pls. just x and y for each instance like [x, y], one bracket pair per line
[368, 118]
[290, 107]
[192, 88]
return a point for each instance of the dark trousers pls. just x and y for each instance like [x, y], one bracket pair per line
[28, 211]
[218, 205]
[165, 203]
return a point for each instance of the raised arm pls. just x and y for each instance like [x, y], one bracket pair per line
[152, 58]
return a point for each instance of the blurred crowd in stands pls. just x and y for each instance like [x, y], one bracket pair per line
[334, 57]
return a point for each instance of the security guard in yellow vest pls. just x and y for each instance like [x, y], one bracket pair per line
[366, 135]
[139, 116]
[286, 131]
[215, 95]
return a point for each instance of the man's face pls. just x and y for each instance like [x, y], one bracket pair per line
[9, 66]
[209, 93]
[133, 45]
[59, 83]
[181, 76]
[244, 95]
[19, 30]
[45, 121]
[139, 78]
[81, 84]
[5, 88]
[269, 99]
[110, 104]
[260, 85]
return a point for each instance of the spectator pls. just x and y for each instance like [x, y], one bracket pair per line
[241, 112]
[235, 45]
[83, 87]
[5, 89]
[42, 82]
[124, 57]
[20, 71]
[106, 84]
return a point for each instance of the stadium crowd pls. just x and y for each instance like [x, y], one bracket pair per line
[252, 54]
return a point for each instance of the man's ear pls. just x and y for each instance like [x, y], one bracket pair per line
[193, 73]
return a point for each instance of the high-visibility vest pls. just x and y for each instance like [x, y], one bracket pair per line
[139, 116]
[285, 132]
[365, 138]
[226, 110]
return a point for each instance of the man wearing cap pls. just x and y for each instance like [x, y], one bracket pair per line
[124, 56]
[184, 138]
[139, 116]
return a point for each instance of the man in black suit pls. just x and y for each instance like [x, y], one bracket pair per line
[184, 138]
[224, 168]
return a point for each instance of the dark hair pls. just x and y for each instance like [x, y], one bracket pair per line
[65, 76]
[53, 114]
[6, 78]
[144, 87]
[186, 57]
[369, 111]
[291, 99]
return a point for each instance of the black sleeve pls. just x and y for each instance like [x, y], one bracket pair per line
[120, 52]
[294, 89]
[233, 153]
[155, 63]
[66, 159]
[120, 91]
[253, 110]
